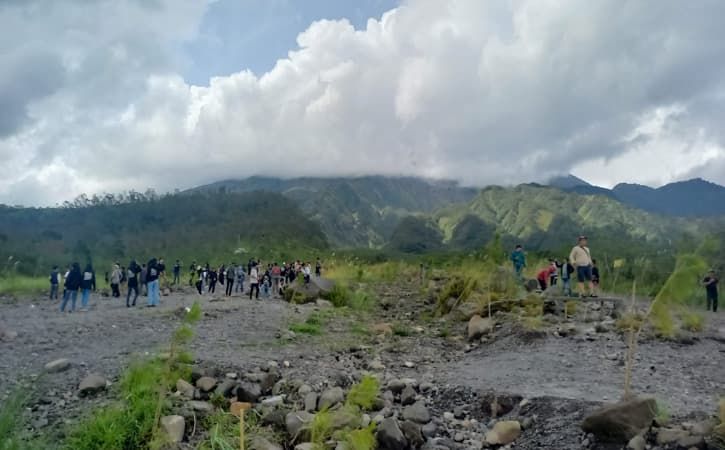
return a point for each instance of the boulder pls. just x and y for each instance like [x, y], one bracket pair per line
[620, 422]
[396, 386]
[92, 384]
[389, 436]
[412, 433]
[248, 392]
[185, 388]
[275, 418]
[260, 443]
[298, 423]
[479, 326]
[531, 285]
[407, 397]
[225, 388]
[504, 432]
[311, 402]
[300, 293]
[331, 397]
[417, 412]
[59, 365]
[174, 427]
[206, 384]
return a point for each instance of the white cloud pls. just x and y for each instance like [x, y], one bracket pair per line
[483, 92]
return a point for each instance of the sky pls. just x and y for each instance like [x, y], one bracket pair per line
[111, 95]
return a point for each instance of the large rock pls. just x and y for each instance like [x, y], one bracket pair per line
[479, 326]
[206, 384]
[343, 419]
[248, 392]
[260, 443]
[225, 388]
[92, 384]
[504, 432]
[331, 397]
[412, 433]
[620, 422]
[390, 437]
[298, 424]
[174, 427]
[417, 412]
[311, 402]
[185, 388]
[308, 293]
[59, 365]
[407, 397]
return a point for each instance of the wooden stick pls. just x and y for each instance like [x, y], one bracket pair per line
[241, 430]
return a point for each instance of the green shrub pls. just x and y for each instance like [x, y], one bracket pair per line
[362, 439]
[321, 428]
[364, 393]
[339, 295]
[312, 326]
[402, 330]
[692, 321]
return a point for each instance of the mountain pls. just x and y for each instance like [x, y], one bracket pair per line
[191, 227]
[354, 212]
[691, 198]
[696, 197]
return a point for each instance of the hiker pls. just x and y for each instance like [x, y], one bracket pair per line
[221, 274]
[230, 275]
[566, 270]
[88, 284]
[543, 276]
[241, 274]
[253, 281]
[142, 278]
[200, 282]
[177, 272]
[553, 277]
[581, 259]
[710, 283]
[318, 268]
[595, 276]
[193, 268]
[161, 270]
[72, 284]
[65, 277]
[54, 281]
[132, 277]
[116, 280]
[307, 272]
[518, 258]
[276, 278]
[212, 279]
[152, 281]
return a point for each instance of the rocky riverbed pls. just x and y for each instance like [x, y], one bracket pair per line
[544, 381]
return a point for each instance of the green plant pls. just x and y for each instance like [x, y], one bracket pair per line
[321, 428]
[360, 301]
[362, 439]
[339, 295]
[692, 321]
[222, 432]
[364, 393]
[11, 421]
[312, 325]
[662, 414]
[14, 284]
[400, 329]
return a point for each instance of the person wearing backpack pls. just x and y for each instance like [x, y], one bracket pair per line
[132, 275]
[116, 280]
[88, 284]
[72, 284]
[152, 283]
[230, 275]
[54, 282]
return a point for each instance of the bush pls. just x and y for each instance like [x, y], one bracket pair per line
[339, 296]
[692, 321]
[363, 394]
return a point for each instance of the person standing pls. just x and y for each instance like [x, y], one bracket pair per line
[192, 271]
[72, 284]
[276, 277]
[230, 275]
[710, 282]
[152, 282]
[88, 284]
[116, 280]
[142, 278]
[212, 278]
[54, 282]
[566, 270]
[518, 259]
[177, 272]
[595, 276]
[318, 268]
[132, 277]
[241, 274]
[253, 281]
[161, 270]
[581, 259]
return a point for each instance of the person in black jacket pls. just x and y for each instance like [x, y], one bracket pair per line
[132, 275]
[72, 284]
[88, 284]
[212, 280]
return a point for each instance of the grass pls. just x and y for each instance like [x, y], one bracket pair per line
[362, 439]
[20, 284]
[692, 321]
[662, 415]
[401, 330]
[312, 326]
[363, 394]
[321, 429]
[12, 423]
[223, 431]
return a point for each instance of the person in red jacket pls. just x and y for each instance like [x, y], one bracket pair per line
[543, 276]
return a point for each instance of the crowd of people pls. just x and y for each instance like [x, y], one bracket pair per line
[145, 279]
[581, 266]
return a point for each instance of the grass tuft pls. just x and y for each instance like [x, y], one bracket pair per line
[364, 393]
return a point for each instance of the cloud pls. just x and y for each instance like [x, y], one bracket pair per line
[482, 92]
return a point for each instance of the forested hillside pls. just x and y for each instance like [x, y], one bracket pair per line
[186, 227]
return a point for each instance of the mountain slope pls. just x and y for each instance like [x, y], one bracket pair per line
[192, 227]
[355, 212]
[695, 197]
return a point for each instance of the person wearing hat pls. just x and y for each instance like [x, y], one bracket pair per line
[581, 258]
[710, 283]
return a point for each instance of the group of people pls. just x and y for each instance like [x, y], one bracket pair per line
[271, 279]
[581, 265]
[136, 277]
[145, 279]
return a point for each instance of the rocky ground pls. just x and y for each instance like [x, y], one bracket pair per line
[545, 380]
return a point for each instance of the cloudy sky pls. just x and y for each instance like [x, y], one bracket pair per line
[109, 95]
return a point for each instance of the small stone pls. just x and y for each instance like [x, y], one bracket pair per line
[407, 397]
[412, 433]
[504, 432]
[232, 375]
[225, 388]
[311, 401]
[365, 420]
[305, 446]
[637, 443]
[260, 443]
[390, 437]
[376, 364]
[396, 386]
[92, 384]
[459, 437]
[174, 427]
[296, 422]
[449, 416]
[479, 326]
[286, 364]
[273, 401]
[459, 413]
[417, 412]
[323, 303]
[59, 365]
[429, 430]
[426, 387]
[667, 435]
[304, 390]
[331, 397]
[691, 441]
[409, 364]
[248, 392]
[200, 406]
[206, 384]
